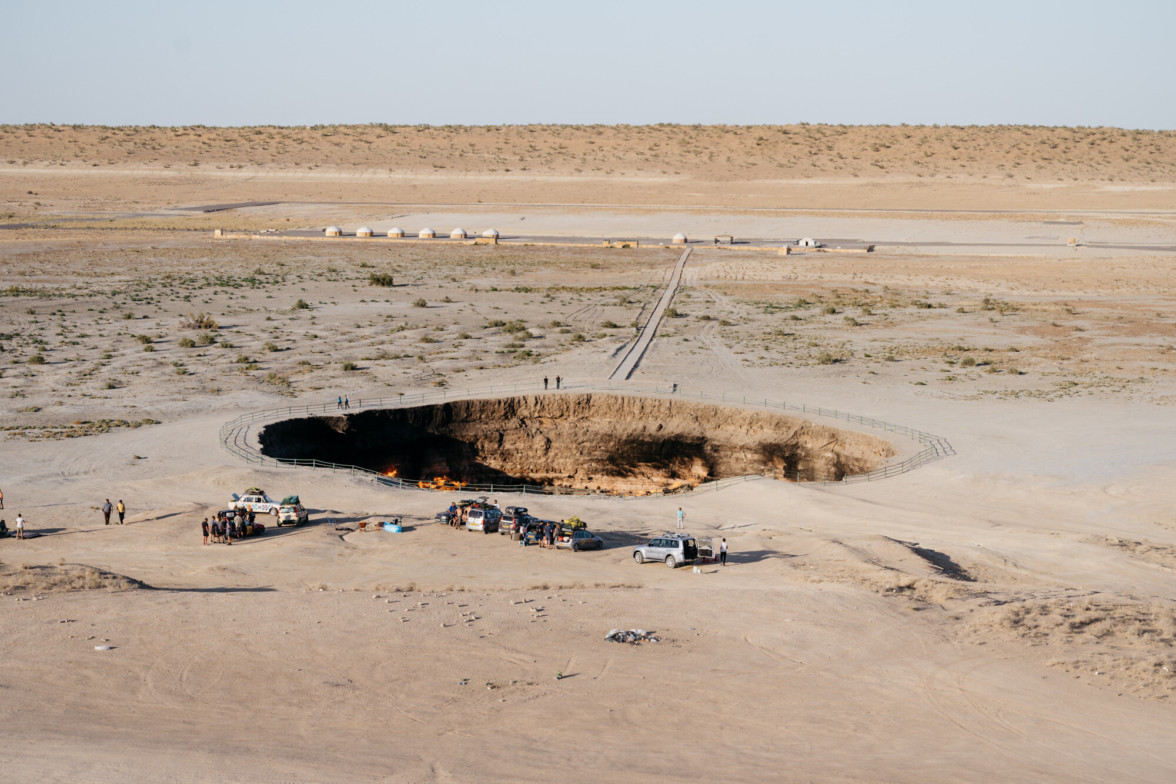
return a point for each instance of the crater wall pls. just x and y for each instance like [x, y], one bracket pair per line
[598, 441]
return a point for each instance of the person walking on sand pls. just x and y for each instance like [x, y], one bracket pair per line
[544, 389]
[339, 402]
[557, 381]
[204, 530]
[346, 402]
[122, 511]
[2, 492]
[723, 552]
[19, 526]
[681, 519]
[107, 508]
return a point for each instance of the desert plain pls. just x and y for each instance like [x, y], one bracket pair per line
[1003, 612]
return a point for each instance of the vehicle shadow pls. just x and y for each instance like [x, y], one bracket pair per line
[756, 556]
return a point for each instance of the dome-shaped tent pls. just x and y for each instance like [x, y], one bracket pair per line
[333, 231]
[426, 234]
[396, 232]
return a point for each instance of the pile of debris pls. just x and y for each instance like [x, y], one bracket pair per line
[632, 636]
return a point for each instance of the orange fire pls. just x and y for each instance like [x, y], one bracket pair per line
[441, 483]
[390, 473]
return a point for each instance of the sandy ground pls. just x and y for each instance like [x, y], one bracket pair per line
[1004, 613]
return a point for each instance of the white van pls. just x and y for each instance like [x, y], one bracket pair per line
[483, 519]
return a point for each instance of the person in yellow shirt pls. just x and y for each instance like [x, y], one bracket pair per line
[122, 511]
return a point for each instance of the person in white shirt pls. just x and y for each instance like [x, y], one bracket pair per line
[723, 552]
[19, 526]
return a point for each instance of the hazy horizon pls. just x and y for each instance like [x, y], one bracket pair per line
[456, 62]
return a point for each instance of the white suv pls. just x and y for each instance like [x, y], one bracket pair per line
[672, 549]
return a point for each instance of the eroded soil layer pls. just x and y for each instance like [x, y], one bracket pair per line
[607, 442]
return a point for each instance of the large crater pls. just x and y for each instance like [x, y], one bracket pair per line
[594, 441]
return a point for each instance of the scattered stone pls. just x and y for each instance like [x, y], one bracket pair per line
[104, 647]
[632, 636]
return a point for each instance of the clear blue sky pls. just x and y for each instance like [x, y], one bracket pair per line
[1038, 62]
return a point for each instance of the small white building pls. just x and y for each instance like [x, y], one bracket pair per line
[490, 234]
[363, 231]
[808, 242]
[333, 231]
[679, 239]
[426, 234]
[458, 234]
[396, 232]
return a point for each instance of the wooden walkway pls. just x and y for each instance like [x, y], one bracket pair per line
[632, 358]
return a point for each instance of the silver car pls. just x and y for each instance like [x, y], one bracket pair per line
[671, 549]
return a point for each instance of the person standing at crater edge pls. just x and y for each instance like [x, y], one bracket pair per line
[122, 511]
[681, 519]
[107, 508]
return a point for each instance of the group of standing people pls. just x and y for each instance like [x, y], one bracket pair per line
[547, 535]
[343, 402]
[107, 508]
[222, 530]
[558, 381]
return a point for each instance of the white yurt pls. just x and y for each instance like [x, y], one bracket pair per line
[363, 231]
[333, 231]
[679, 239]
[807, 242]
[490, 233]
[396, 232]
[458, 234]
[426, 234]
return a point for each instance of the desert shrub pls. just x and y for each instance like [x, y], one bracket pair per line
[611, 325]
[36, 359]
[270, 346]
[578, 338]
[149, 348]
[384, 279]
[199, 321]
[144, 339]
[825, 358]
[672, 312]
[968, 362]
[301, 305]
[205, 339]
[420, 302]
[829, 310]
[348, 365]
[186, 343]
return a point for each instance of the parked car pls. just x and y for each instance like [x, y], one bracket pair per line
[255, 500]
[292, 511]
[513, 518]
[482, 518]
[576, 539]
[672, 549]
